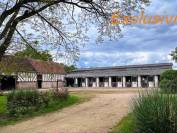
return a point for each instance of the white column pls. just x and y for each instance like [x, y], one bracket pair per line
[97, 82]
[76, 82]
[156, 81]
[86, 82]
[110, 82]
[124, 81]
[139, 81]
[94, 83]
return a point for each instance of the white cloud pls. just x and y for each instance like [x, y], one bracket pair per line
[114, 58]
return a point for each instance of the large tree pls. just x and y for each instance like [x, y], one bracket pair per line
[60, 25]
[34, 54]
[70, 68]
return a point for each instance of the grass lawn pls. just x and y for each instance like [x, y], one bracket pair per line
[53, 106]
[126, 125]
[3, 102]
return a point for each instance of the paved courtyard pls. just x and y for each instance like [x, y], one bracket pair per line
[97, 115]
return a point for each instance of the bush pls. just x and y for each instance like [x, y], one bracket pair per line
[156, 113]
[45, 98]
[60, 93]
[20, 102]
[168, 81]
[169, 75]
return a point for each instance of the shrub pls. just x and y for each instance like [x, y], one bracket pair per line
[45, 98]
[169, 85]
[169, 75]
[60, 93]
[168, 81]
[156, 113]
[20, 102]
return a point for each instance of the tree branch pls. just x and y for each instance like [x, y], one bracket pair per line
[7, 40]
[26, 42]
[8, 25]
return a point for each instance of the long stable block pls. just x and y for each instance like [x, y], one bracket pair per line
[147, 75]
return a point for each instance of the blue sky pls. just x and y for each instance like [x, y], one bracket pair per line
[141, 44]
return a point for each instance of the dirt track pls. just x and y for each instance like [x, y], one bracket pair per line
[97, 115]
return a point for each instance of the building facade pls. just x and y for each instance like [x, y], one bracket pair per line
[141, 76]
[29, 73]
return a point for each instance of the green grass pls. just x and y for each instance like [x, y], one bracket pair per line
[3, 102]
[126, 125]
[53, 106]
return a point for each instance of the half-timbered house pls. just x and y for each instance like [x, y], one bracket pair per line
[19, 72]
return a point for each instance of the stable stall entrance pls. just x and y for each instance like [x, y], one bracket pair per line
[69, 82]
[114, 81]
[128, 81]
[101, 84]
[80, 82]
[7, 82]
[144, 81]
[91, 82]
[134, 81]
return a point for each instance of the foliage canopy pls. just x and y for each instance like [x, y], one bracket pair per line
[60, 25]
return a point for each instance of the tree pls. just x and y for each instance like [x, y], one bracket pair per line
[69, 68]
[29, 52]
[60, 25]
[174, 54]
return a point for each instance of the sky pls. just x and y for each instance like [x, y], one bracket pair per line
[140, 44]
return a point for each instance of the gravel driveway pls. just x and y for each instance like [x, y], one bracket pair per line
[95, 116]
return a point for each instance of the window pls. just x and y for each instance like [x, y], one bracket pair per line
[106, 79]
[94, 79]
[83, 79]
[113, 79]
[119, 79]
[151, 78]
[134, 79]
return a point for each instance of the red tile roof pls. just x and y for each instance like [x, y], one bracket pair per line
[18, 64]
[47, 66]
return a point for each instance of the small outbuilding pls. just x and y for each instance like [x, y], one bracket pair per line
[16, 72]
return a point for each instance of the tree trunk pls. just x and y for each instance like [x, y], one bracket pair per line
[3, 49]
[5, 44]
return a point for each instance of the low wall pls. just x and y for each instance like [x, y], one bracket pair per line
[34, 84]
[26, 85]
[134, 84]
[51, 84]
[151, 84]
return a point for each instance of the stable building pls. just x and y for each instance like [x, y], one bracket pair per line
[147, 75]
[16, 72]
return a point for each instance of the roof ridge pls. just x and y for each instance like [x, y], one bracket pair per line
[125, 66]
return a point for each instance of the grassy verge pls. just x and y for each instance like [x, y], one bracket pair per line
[126, 125]
[3, 101]
[53, 106]
[85, 96]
